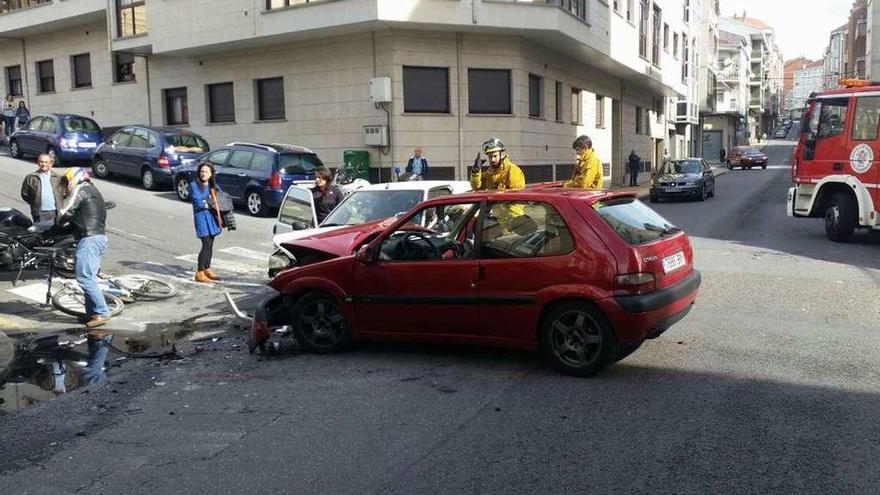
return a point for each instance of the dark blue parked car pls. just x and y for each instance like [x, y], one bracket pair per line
[254, 175]
[66, 137]
[151, 154]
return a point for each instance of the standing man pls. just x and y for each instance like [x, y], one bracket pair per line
[723, 154]
[634, 164]
[417, 164]
[42, 190]
[501, 174]
[84, 209]
[325, 194]
[587, 172]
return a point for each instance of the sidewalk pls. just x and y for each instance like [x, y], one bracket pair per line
[643, 190]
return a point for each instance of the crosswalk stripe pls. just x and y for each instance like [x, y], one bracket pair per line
[246, 253]
[224, 264]
[34, 292]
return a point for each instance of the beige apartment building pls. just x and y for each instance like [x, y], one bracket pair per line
[378, 75]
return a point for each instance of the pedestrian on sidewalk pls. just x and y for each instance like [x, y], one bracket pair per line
[42, 190]
[417, 164]
[22, 115]
[723, 154]
[206, 219]
[8, 115]
[634, 164]
[587, 172]
[84, 210]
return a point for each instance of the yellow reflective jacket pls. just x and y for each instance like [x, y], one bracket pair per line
[587, 171]
[507, 176]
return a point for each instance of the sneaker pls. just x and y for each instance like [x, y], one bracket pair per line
[97, 321]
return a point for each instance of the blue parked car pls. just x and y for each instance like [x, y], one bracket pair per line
[254, 175]
[151, 154]
[65, 137]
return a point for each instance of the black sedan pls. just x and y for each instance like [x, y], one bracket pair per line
[688, 178]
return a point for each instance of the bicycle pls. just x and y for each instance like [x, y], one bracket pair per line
[117, 291]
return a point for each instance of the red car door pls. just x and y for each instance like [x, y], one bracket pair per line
[421, 280]
[525, 247]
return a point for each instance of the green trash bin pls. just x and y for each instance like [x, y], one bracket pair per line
[357, 163]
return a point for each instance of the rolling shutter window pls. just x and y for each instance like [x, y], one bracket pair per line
[270, 99]
[489, 91]
[82, 71]
[221, 103]
[426, 89]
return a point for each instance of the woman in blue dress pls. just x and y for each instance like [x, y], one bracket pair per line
[205, 219]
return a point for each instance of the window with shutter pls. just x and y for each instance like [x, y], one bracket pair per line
[82, 70]
[13, 80]
[270, 98]
[426, 89]
[489, 91]
[221, 103]
[46, 76]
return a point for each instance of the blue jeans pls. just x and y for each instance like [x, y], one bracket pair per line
[8, 123]
[88, 261]
[98, 349]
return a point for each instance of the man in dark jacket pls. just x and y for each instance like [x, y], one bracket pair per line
[634, 164]
[325, 194]
[417, 164]
[84, 209]
[42, 190]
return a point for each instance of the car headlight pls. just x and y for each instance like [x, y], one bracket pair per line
[280, 260]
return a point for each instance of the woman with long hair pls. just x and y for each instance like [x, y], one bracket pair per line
[205, 218]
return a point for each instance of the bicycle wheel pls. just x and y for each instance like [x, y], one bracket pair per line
[145, 286]
[73, 302]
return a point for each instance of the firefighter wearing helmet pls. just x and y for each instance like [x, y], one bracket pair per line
[587, 172]
[501, 173]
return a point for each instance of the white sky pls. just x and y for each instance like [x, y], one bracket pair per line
[802, 26]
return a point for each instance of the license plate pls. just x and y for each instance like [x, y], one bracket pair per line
[673, 189]
[86, 145]
[674, 262]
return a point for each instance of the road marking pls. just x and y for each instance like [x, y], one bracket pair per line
[34, 292]
[222, 264]
[246, 253]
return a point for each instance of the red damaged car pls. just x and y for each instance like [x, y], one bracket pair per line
[584, 276]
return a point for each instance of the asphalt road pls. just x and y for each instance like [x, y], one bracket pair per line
[770, 385]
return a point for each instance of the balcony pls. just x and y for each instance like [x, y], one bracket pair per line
[20, 18]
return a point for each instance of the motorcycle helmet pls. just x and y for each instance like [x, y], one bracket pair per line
[76, 176]
[492, 145]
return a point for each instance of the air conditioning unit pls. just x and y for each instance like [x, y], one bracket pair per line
[380, 90]
[376, 135]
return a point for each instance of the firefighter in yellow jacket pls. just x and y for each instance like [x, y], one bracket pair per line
[502, 174]
[587, 171]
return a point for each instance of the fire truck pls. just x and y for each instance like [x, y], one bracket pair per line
[833, 167]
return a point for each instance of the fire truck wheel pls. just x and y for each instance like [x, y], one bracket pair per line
[840, 218]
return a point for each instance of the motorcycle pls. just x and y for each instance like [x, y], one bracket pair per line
[348, 183]
[21, 240]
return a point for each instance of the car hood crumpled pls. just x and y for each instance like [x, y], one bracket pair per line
[339, 241]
